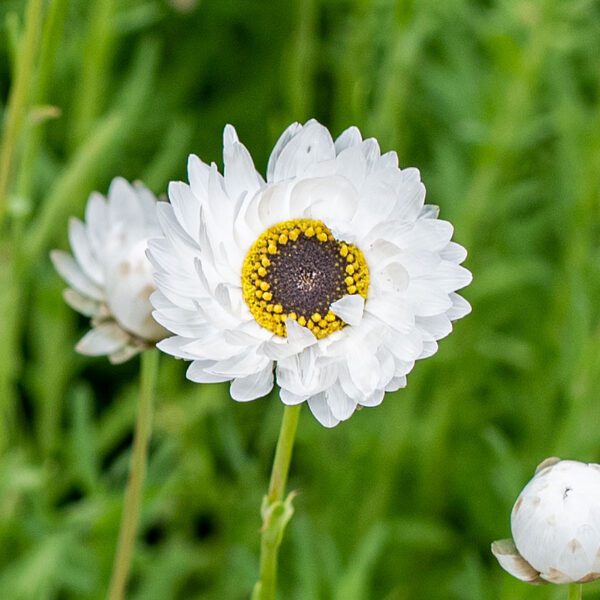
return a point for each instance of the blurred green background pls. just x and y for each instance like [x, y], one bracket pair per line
[496, 101]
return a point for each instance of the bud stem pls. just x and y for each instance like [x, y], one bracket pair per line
[575, 591]
[133, 493]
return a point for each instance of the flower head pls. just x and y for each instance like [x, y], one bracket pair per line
[332, 272]
[110, 277]
[555, 524]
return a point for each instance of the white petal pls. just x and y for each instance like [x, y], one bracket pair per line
[125, 209]
[378, 199]
[349, 308]
[311, 145]
[438, 326]
[124, 354]
[299, 337]
[428, 234]
[291, 399]
[348, 138]
[241, 365]
[240, 175]
[320, 409]
[375, 399]
[198, 175]
[454, 253]
[449, 277]
[392, 311]
[405, 346]
[96, 220]
[83, 252]
[186, 207]
[81, 304]
[460, 307]
[253, 386]
[395, 384]
[351, 164]
[70, 271]
[341, 405]
[103, 339]
[175, 346]
[196, 373]
[390, 279]
[426, 299]
[364, 370]
[282, 142]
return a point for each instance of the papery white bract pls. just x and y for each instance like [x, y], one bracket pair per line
[555, 524]
[109, 275]
[332, 273]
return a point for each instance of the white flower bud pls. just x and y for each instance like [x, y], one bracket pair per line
[555, 524]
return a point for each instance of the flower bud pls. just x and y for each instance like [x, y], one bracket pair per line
[555, 524]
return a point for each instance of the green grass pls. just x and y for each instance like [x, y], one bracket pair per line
[497, 102]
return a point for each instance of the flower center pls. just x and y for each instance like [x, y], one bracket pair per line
[296, 270]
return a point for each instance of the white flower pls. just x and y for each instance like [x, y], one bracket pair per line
[555, 524]
[333, 273]
[110, 275]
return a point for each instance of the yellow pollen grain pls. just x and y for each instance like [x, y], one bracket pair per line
[258, 293]
[322, 237]
[310, 231]
[352, 289]
[344, 250]
[265, 262]
[272, 249]
[267, 296]
[302, 321]
[264, 286]
[349, 280]
[350, 270]
[330, 317]
[316, 317]
[278, 309]
[283, 239]
[350, 258]
[261, 271]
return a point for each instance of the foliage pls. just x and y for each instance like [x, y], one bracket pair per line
[496, 101]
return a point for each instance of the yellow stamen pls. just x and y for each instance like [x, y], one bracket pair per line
[257, 283]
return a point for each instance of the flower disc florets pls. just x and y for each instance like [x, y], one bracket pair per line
[296, 270]
[331, 273]
[555, 524]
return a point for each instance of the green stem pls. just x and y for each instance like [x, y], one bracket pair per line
[575, 591]
[133, 494]
[19, 98]
[275, 513]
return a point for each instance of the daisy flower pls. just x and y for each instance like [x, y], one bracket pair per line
[109, 276]
[331, 275]
[555, 524]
